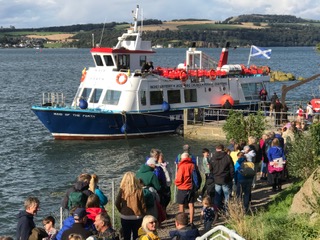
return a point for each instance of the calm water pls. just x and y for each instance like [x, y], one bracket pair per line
[32, 163]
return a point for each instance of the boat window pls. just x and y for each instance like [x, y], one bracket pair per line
[112, 97]
[86, 93]
[251, 90]
[190, 95]
[108, 60]
[143, 98]
[95, 95]
[143, 60]
[174, 96]
[123, 62]
[156, 97]
[98, 60]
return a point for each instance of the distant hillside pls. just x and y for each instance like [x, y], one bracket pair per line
[265, 18]
[243, 30]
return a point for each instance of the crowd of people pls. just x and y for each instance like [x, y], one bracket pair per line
[143, 197]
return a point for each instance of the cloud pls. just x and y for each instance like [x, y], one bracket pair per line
[45, 13]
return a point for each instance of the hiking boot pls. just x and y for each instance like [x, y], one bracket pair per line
[199, 199]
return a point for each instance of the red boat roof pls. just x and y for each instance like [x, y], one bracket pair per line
[121, 50]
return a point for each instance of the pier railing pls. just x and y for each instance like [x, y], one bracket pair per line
[217, 116]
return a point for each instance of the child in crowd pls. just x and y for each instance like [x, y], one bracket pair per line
[48, 224]
[208, 213]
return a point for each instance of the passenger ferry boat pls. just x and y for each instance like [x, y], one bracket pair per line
[115, 99]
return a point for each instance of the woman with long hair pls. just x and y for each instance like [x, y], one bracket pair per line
[93, 187]
[131, 205]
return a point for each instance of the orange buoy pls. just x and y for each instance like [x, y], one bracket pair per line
[226, 97]
[121, 78]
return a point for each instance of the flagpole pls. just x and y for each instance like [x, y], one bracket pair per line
[249, 56]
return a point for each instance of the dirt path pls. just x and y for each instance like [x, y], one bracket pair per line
[262, 194]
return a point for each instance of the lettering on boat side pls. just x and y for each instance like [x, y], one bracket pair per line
[181, 85]
[58, 114]
[88, 116]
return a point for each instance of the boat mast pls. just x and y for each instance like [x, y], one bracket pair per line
[135, 19]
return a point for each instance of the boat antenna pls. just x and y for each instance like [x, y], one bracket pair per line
[104, 26]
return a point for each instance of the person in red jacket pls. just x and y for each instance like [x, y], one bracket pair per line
[183, 181]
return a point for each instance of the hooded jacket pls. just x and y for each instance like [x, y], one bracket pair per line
[25, 225]
[146, 174]
[184, 174]
[222, 168]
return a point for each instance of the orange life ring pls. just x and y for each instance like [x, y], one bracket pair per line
[84, 74]
[212, 75]
[122, 76]
[183, 75]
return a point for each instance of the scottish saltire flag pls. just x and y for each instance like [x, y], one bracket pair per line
[260, 52]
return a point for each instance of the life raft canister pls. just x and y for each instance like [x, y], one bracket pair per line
[121, 78]
[84, 74]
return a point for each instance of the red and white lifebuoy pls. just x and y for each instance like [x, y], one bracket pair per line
[212, 75]
[183, 76]
[121, 78]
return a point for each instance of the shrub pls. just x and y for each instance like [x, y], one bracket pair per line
[240, 127]
[303, 153]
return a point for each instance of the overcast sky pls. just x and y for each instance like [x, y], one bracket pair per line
[48, 13]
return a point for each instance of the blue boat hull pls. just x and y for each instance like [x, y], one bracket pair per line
[86, 124]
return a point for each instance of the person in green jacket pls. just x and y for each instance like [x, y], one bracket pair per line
[145, 173]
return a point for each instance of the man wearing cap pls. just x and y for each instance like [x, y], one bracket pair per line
[80, 218]
[146, 174]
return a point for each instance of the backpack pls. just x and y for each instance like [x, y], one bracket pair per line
[196, 178]
[76, 199]
[247, 169]
[148, 197]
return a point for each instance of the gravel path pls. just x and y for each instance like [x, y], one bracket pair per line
[262, 194]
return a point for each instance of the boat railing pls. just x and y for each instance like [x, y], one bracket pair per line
[53, 99]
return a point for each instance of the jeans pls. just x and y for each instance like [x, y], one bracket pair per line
[207, 226]
[244, 191]
[130, 226]
[219, 191]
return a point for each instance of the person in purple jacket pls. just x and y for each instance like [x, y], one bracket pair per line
[276, 158]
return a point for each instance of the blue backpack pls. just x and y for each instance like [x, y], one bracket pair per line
[196, 178]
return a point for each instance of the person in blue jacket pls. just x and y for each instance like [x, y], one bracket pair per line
[276, 157]
[184, 231]
[243, 183]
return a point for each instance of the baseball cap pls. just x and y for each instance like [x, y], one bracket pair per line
[79, 213]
